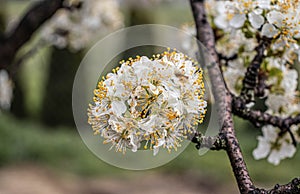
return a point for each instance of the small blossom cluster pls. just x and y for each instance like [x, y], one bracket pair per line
[151, 103]
[282, 101]
[76, 27]
[273, 147]
[188, 40]
[239, 25]
[273, 19]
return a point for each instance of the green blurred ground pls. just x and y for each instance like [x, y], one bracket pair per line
[63, 149]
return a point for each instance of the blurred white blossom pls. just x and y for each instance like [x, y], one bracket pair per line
[6, 90]
[273, 19]
[274, 147]
[282, 99]
[189, 43]
[228, 48]
[156, 102]
[239, 25]
[284, 21]
[76, 28]
[234, 74]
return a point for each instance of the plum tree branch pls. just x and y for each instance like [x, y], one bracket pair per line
[223, 98]
[31, 21]
[292, 187]
[259, 118]
[228, 104]
[251, 77]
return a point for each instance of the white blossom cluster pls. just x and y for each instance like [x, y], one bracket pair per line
[273, 19]
[6, 90]
[77, 27]
[238, 24]
[282, 101]
[273, 147]
[150, 103]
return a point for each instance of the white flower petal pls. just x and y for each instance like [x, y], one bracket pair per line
[256, 20]
[119, 91]
[276, 18]
[238, 20]
[262, 149]
[264, 4]
[258, 11]
[270, 133]
[274, 157]
[290, 81]
[118, 107]
[269, 30]
[287, 150]
[155, 151]
[221, 22]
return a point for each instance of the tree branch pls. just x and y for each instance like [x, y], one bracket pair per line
[292, 188]
[251, 77]
[212, 143]
[223, 98]
[259, 118]
[32, 20]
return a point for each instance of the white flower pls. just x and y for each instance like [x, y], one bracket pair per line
[6, 90]
[189, 44]
[152, 102]
[238, 20]
[276, 103]
[295, 129]
[282, 100]
[287, 150]
[229, 48]
[239, 11]
[284, 18]
[239, 23]
[256, 19]
[290, 81]
[234, 74]
[264, 4]
[269, 30]
[234, 14]
[276, 18]
[272, 146]
[116, 94]
[224, 15]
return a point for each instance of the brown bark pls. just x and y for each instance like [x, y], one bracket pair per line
[31, 21]
[229, 104]
[206, 36]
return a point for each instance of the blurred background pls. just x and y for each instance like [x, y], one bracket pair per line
[42, 152]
